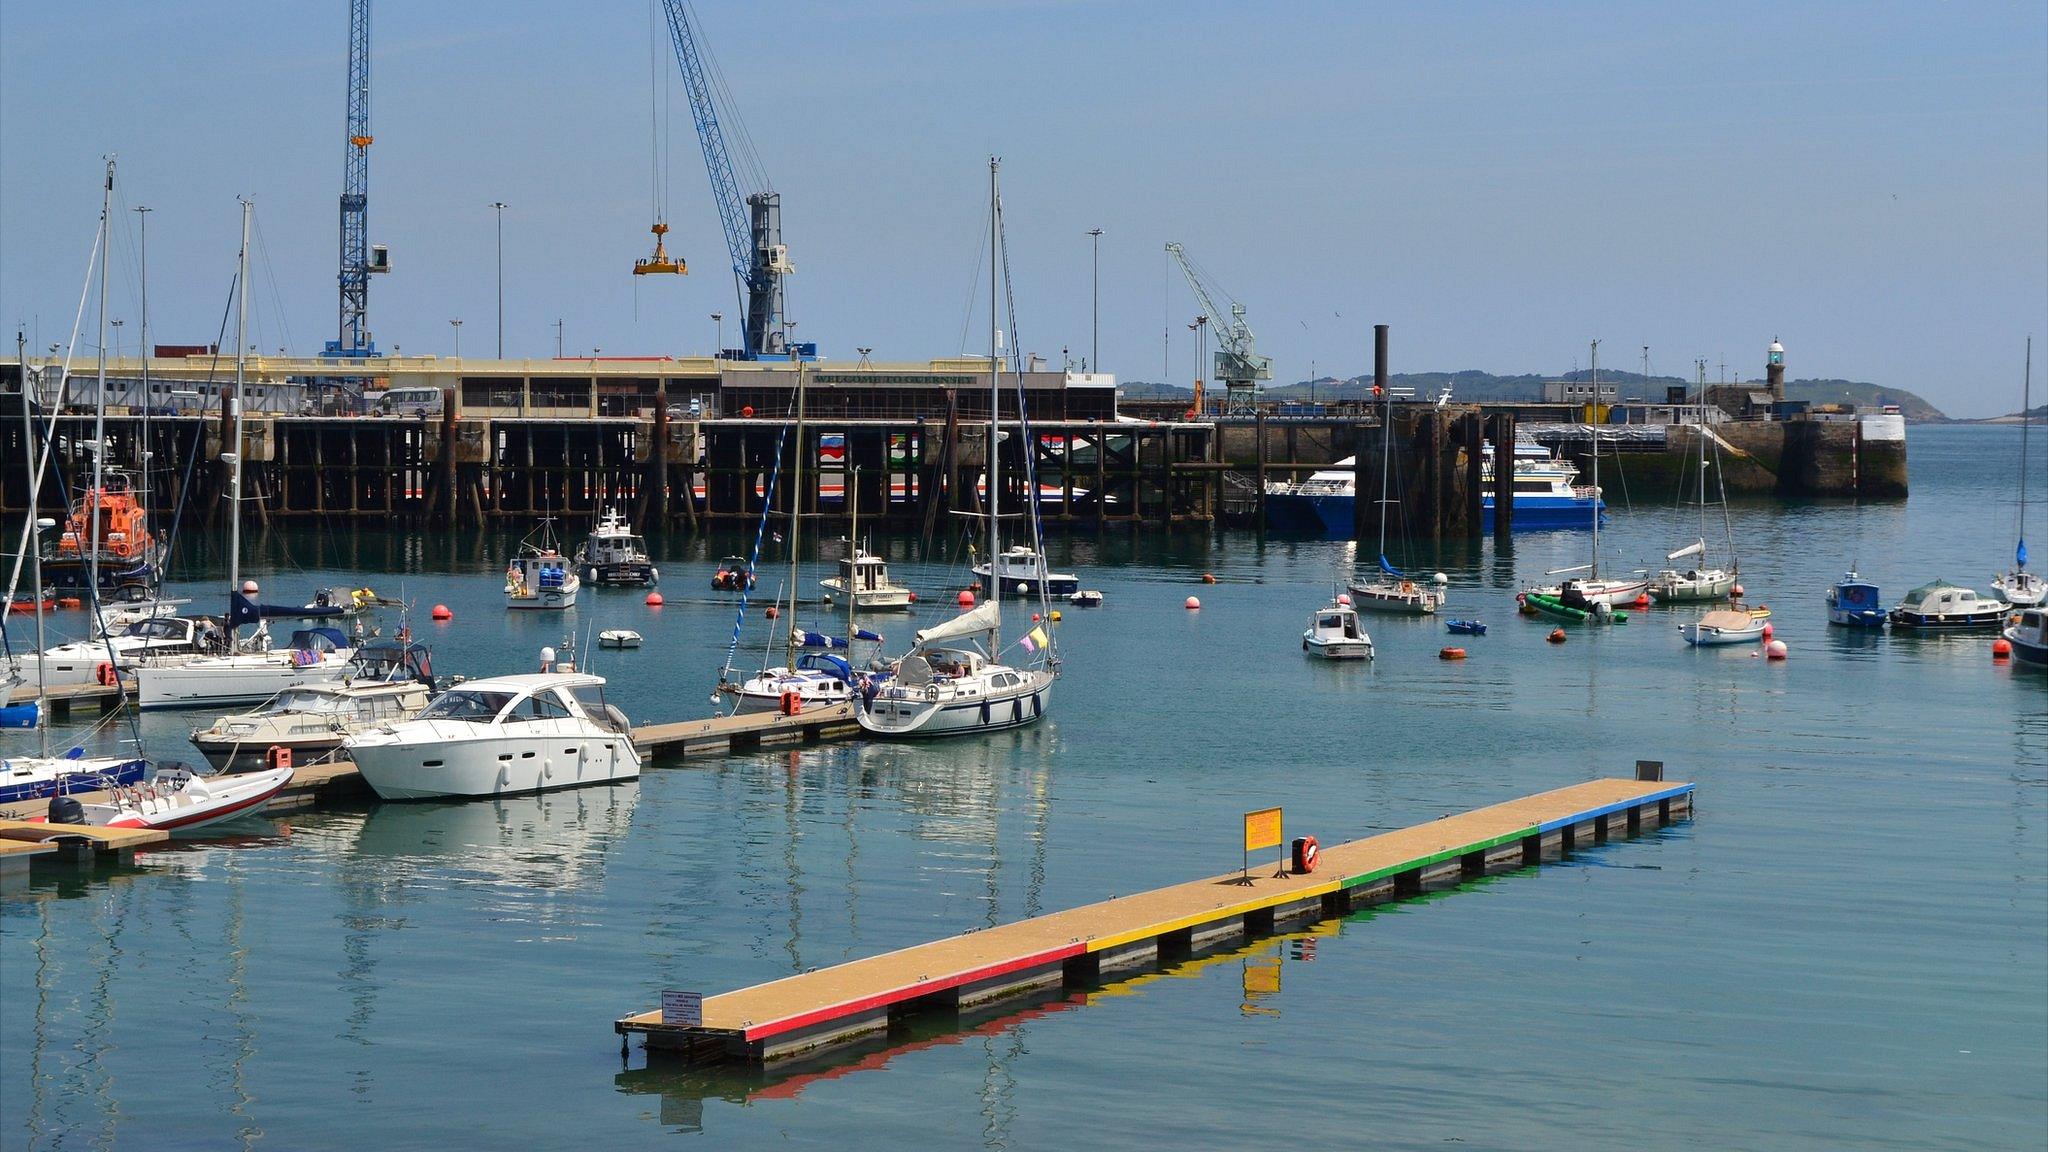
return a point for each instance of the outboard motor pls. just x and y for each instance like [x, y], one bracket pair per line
[66, 810]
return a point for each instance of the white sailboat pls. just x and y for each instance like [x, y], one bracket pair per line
[44, 775]
[252, 670]
[954, 680]
[1701, 581]
[810, 675]
[1390, 590]
[2017, 586]
[1591, 592]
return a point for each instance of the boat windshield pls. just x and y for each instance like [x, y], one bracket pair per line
[468, 704]
[306, 700]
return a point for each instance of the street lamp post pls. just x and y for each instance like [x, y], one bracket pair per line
[457, 325]
[499, 207]
[1095, 311]
[718, 318]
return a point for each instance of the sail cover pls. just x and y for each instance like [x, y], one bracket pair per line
[242, 610]
[1390, 570]
[821, 640]
[1696, 548]
[982, 619]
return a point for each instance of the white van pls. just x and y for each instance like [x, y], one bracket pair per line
[421, 402]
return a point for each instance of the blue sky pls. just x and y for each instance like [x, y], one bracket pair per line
[1501, 183]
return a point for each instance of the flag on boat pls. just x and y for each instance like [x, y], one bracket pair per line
[1035, 639]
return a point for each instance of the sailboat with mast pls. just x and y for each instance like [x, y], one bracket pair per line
[954, 681]
[1390, 590]
[2017, 586]
[1702, 581]
[1589, 594]
[45, 775]
[811, 674]
[252, 670]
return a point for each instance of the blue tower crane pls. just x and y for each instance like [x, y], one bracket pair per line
[359, 258]
[752, 221]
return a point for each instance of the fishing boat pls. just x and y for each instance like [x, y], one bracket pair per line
[2017, 586]
[1944, 606]
[2028, 635]
[618, 638]
[612, 554]
[1333, 633]
[387, 682]
[733, 574]
[1466, 627]
[1853, 603]
[175, 800]
[249, 669]
[1724, 626]
[539, 577]
[1022, 572]
[956, 678]
[498, 736]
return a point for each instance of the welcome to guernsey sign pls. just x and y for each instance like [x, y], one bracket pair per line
[928, 379]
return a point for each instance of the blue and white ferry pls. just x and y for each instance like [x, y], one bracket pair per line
[1545, 496]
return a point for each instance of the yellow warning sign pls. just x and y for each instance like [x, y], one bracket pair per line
[1261, 829]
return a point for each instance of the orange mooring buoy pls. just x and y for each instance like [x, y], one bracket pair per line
[1451, 654]
[2001, 648]
[441, 612]
[1556, 636]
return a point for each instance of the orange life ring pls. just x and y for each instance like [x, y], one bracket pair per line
[104, 674]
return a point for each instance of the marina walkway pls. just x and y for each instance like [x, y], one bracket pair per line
[802, 1014]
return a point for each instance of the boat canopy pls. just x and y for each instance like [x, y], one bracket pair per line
[821, 640]
[822, 662]
[1697, 548]
[319, 638]
[982, 619]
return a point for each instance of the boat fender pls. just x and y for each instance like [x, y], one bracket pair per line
[104, 674]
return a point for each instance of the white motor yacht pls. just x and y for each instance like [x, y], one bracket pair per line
[1022, 571]
[1942, 605]
[388, 683]
[507, 734]
[865, 577]
[1333, 633]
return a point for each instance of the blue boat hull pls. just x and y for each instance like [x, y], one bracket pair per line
[126, 772]
[1332, 515]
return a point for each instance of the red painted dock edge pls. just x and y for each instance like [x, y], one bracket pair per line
[801, 1014]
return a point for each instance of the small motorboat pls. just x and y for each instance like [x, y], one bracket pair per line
[1853, 603]
[1086, 598]
[612, 554]
[1728, 626]
[175, 800]
[1023, 572]
[2028, 635]
[1466, 627]
[1942, 606]
[1333, 633]
[732, 575]
[618, 638]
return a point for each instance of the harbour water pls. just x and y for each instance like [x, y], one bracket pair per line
[1847, 948]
